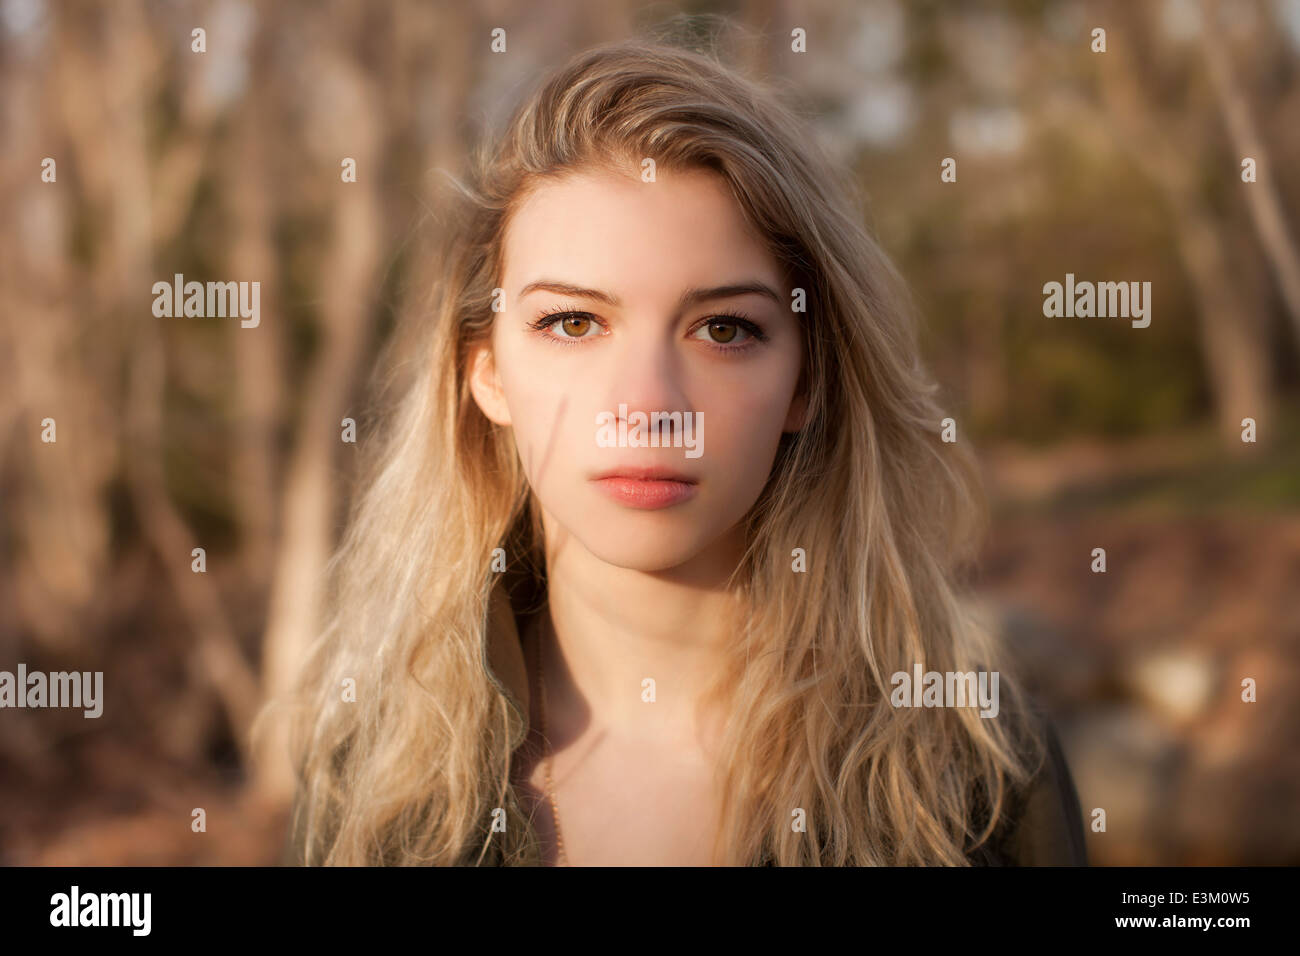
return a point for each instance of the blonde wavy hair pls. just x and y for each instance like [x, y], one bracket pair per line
[887, 513]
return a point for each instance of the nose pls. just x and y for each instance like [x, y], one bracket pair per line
[647, 374]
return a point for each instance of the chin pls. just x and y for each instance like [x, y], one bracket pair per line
[639, 545]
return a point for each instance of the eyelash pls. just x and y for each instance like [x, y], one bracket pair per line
[736, 317]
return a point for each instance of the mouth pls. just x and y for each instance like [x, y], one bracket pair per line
[647, 489]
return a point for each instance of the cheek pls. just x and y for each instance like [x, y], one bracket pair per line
[547, 411]
[743, 422]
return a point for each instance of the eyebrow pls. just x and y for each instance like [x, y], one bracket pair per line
[689, 297]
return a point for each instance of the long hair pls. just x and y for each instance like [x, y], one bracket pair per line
[885, 512]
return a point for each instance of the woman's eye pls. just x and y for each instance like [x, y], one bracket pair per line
[571, 325]
[722, 331]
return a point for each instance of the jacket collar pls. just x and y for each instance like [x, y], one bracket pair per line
[503, 658]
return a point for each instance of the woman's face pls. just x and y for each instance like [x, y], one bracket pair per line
[638, 279]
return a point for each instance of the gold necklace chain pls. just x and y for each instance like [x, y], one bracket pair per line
[546, 744]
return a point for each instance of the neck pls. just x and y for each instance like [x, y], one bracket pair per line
[610, 628]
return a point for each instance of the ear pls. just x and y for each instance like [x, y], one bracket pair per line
[485, 385]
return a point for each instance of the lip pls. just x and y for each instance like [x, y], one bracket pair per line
[647, 489]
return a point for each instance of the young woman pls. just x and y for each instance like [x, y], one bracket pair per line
[662, 512]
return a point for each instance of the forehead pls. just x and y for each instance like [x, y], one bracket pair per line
[613, 231]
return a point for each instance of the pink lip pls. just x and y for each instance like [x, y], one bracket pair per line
[646, 488]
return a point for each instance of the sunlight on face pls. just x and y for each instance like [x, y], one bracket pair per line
[600, 323]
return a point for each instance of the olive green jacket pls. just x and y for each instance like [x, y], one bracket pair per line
[1043, 828]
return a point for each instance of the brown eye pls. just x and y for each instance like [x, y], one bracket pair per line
[722, 332]
[575, 326]
[735, 333]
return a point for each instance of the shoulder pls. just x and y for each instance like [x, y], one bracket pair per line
[1045, 821]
